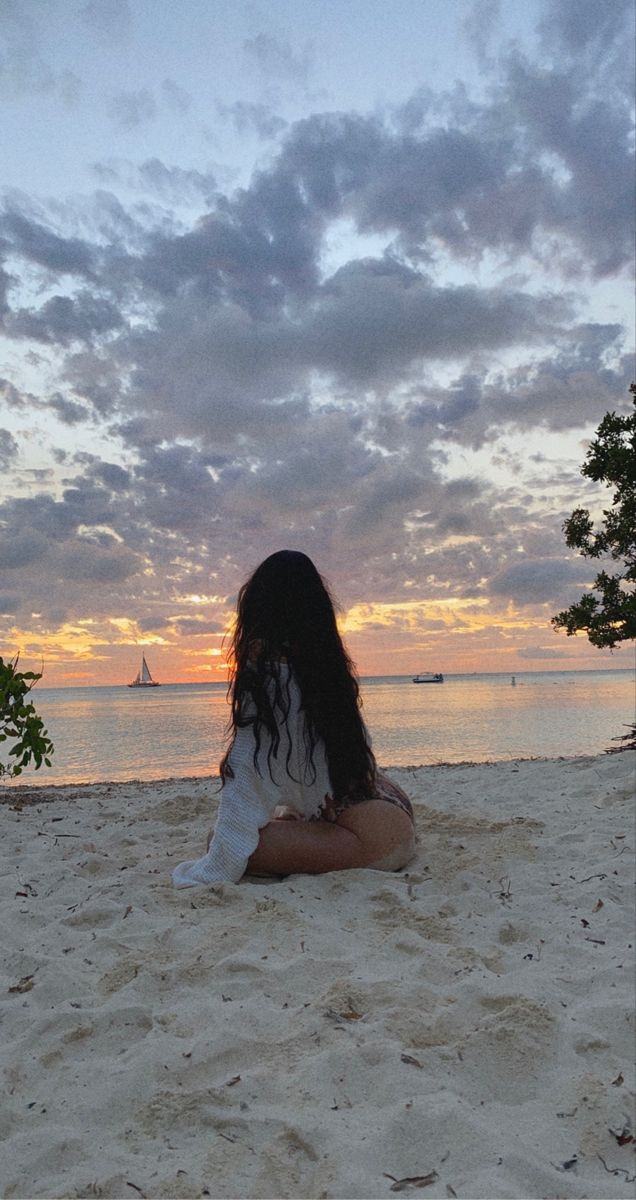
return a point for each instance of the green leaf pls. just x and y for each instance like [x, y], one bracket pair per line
[607, 613]
[19, 720]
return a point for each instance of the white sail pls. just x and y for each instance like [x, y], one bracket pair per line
[143, 678]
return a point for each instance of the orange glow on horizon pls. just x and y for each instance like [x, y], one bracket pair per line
[452, 635]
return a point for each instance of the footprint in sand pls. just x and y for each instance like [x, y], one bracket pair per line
[509, 1048]
[192, 1111]
[424, 1030]
[287, 1166]
[509, 934]
[54, 1156]
[94, 865]
[601, 1112]
[179, 809]
[94, 917]
[95, 1032]
[392, 913]
[117, 977]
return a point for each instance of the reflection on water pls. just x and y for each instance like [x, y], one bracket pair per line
[482, 717]
[178, 730]
[118, 733]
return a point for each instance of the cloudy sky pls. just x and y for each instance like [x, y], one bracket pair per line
[338, 275]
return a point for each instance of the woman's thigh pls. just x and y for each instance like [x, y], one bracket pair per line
[288, 847]
[373, 833]
[385, 831]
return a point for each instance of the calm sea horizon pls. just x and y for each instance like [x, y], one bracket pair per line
[115, 733]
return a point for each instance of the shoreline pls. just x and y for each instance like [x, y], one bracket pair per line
[468, 1019]
[40, 786]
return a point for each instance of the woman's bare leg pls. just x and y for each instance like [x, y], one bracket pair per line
[366, 834]
[288, 847]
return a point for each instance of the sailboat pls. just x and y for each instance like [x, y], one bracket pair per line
[143, 678]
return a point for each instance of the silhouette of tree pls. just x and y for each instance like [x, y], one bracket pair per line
[607, 613]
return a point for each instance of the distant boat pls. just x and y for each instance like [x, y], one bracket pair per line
[144, 679]
[428, 677]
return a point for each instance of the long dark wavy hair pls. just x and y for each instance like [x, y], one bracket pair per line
[285, 613]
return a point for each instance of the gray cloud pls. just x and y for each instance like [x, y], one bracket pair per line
[110, 20]
[376, 317]
[175, 96]
[566, 389]
[229, 375]
[8, 449]
[65, 319]
[384, 500]
[23, 69]
[173, 184]
[176, 489]
[46, 544]
[33, 241]
[248, 117]
[95, 377]
[136, 107]
[30, 547]
[576, 25]
[68, 411]
[6, 282]
[539, 580]
[320, 463]
[86, 559]
[480, 181]
[191, 627]
[31, 524]
[114, 477]
[450, 407]
[590, 137]
[129, 110]
[156, 623]
[570, 389]
[277, 60]
[541, 652]
[479, 25]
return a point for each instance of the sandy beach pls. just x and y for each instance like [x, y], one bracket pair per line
[461, 1028]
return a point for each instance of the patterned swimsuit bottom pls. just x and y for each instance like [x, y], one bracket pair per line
[385, 789]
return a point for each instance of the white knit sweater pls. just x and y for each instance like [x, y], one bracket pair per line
[249, 798]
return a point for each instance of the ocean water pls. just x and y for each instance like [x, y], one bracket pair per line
[118, 733]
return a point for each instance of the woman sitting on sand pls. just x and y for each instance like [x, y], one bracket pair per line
[298, 743]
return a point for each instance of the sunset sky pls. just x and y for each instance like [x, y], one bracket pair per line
[337, 275]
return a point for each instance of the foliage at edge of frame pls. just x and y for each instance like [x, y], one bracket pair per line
[609, 616]
[19, 722]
